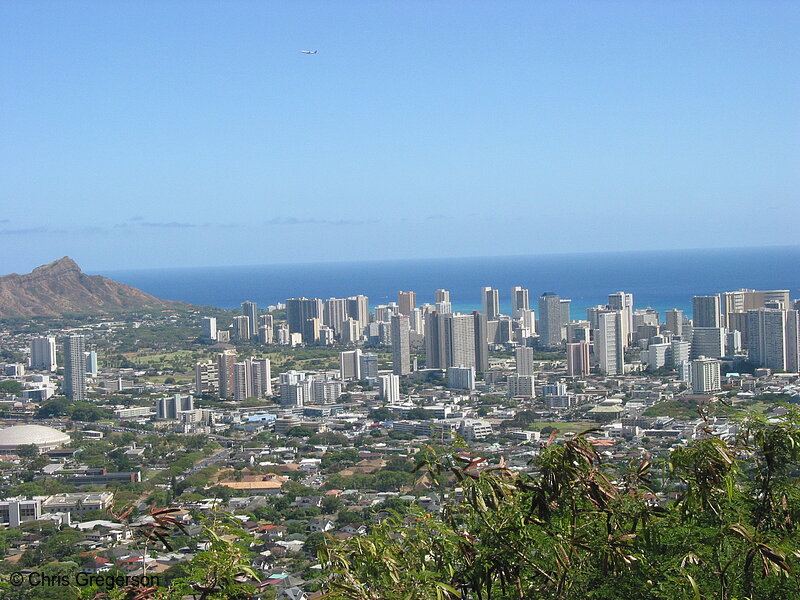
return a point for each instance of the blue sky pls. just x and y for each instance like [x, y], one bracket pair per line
[145, 134]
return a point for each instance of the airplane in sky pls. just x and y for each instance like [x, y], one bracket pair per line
[308, 51]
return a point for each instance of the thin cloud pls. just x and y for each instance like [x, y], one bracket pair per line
[29, 230]
[315, 221]
[166, 224]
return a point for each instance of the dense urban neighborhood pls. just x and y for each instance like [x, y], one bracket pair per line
[151, 445]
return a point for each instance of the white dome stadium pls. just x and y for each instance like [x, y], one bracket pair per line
[45, 438]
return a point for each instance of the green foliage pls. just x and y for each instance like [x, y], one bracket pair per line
[79, 411]
[578, 528]
[10, 387]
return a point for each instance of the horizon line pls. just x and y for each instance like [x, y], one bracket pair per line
[444, 258]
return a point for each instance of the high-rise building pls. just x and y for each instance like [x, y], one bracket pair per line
[524, 356]
[206, 378]
[741, 301]
[368, 365]
[311, 330]
[623, 302]
[656, 356]
[550, 319]
[407, 301]
[351, 331]
[389, 388]
[708, 342]
[705, 311]
[225, 361]
[401, 345]
[491, 303]
[210, 328]
[261, 377]
[241, 328]
[578, 331]
[680, 352]
[578, 359]
[705, 375]
[766, 338]
[75, 368]
[295, 389]
[461, 378]
[443, 305]
[358, 309]
[43, 353]
[170, 408]
[520, 301]
[417, 320]
[265, 334]
[609, 342]
[350, 365]
[250, 310]
[91, 363]
[675, 321]
[299, 310]
[528, 320]
[242, 381]
[480, 341]
[793, 341]
[455, 339]
[565, 315]
[336, 314]
[521, 385]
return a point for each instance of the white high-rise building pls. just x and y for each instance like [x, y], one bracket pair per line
[680, 352]
[461, 378]
[443, 304]
[242, 381]
[350, 365]
[91, 363]
[389, 388]
[210, 328]
[260, 377]
[358, 309]
[528, 320]
[609, 342]
[250, 310]
[550, 323]
[705, 375]
[335, 314]
[675, 321]
[524, 356]
[43, 353]
[766, 338]
[656, 355]
[351, 331]
[75, 368]
[623, 302]
[401, 345]
[578, 331]
[241, 327]
[491, 303]
[520, 301]
[206, 378]
[521, 385]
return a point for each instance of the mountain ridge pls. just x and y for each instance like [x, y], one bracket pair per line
[61, 287]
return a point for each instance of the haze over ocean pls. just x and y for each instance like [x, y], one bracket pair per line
[660, 279]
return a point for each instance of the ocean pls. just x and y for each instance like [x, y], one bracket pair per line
[659, 279]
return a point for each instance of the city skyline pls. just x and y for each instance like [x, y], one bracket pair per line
[155, 132]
